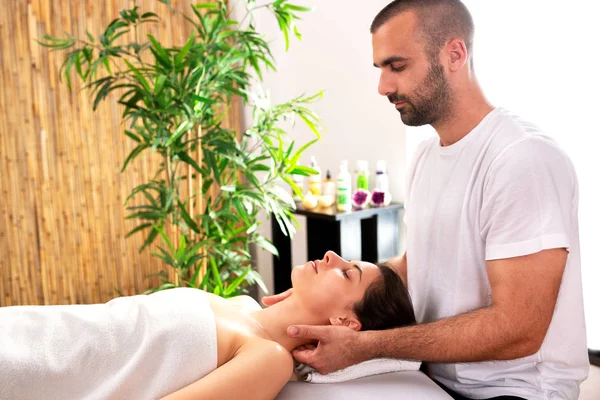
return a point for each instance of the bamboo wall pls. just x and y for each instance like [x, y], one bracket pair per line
[62, 219]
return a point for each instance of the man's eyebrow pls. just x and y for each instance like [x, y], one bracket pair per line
[390, 60]
[358, 268]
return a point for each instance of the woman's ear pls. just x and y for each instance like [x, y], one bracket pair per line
[350, 322]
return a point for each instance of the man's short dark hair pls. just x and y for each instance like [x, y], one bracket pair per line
[438, 20]
[386, 303]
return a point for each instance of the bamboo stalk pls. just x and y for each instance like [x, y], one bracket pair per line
[204, 252]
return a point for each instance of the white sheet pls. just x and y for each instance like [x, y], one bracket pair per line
[137, 347]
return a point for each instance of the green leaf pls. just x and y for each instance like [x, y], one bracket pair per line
[311, 125]
[133, 155]
[252, 229]
[260, 167]
[102, 93]
[181, 129]
[297, 8]
[187, 218]
[159, 49]
[295, 188]
[181, 249]
[301, 150]
[211, 6]
[234, 285]
[194, 250]
[161, 230]
[183, 156]
[149, 215]
[185, 50]
[137, 229]
[216, 274]
[254, 277]
[266, 245]
[302, 170]
[160, 83]
[166, 286]
[150, 14]
[228, 188]
[138, 75]
[149, 240]
[133, 136]
[297, 33]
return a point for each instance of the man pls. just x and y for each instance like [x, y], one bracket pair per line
[492, 260]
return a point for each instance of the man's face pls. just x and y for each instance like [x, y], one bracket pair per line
[414, 83]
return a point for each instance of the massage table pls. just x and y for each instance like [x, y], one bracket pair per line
[410, 385]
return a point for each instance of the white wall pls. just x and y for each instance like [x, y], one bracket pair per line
[335, 55]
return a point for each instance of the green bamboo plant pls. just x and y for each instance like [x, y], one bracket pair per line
[174, 100]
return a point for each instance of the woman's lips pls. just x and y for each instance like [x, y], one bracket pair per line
[314, 265]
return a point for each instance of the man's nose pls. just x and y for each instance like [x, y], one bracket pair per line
[386, 85]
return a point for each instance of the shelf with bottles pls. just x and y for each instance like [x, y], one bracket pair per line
[323, 194]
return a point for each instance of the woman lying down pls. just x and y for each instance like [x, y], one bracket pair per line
[184, 343]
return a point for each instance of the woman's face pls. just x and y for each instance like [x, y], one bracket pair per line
[330, 287]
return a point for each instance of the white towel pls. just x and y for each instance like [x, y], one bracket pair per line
[136, 347]
[375, 366]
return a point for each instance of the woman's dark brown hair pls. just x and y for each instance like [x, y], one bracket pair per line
[386, 303]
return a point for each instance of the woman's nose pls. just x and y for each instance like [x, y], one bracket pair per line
[331, 258]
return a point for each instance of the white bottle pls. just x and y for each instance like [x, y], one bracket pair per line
[344, 188]
[314, 181]
[382, 182]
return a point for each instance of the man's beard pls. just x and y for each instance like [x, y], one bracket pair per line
[430, 102]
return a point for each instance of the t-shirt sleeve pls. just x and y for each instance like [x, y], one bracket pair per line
[529, 198]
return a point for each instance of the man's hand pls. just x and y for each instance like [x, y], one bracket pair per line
[338, 347]
[276, 298]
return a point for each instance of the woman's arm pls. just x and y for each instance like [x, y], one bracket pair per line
[258, 371]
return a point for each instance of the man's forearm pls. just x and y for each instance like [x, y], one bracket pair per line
[484, 334]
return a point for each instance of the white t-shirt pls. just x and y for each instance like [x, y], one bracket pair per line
[504, 190]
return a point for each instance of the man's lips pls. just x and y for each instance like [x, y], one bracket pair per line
[400, 104]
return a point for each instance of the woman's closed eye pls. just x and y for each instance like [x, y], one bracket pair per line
[345, 272]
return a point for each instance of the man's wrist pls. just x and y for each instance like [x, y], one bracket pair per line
[367, 341]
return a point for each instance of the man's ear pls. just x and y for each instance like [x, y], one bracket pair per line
[456, 54]
[351, 322]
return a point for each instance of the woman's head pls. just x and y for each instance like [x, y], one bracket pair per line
[360, 295]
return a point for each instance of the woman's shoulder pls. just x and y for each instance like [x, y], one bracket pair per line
[246, 302]
[272, 353]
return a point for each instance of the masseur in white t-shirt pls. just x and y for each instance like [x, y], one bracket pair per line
[492, 260]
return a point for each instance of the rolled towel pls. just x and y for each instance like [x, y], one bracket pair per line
[375, 366]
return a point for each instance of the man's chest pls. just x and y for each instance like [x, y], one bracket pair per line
[446, 195]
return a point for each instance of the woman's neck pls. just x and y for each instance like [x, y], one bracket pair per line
[274, 321]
